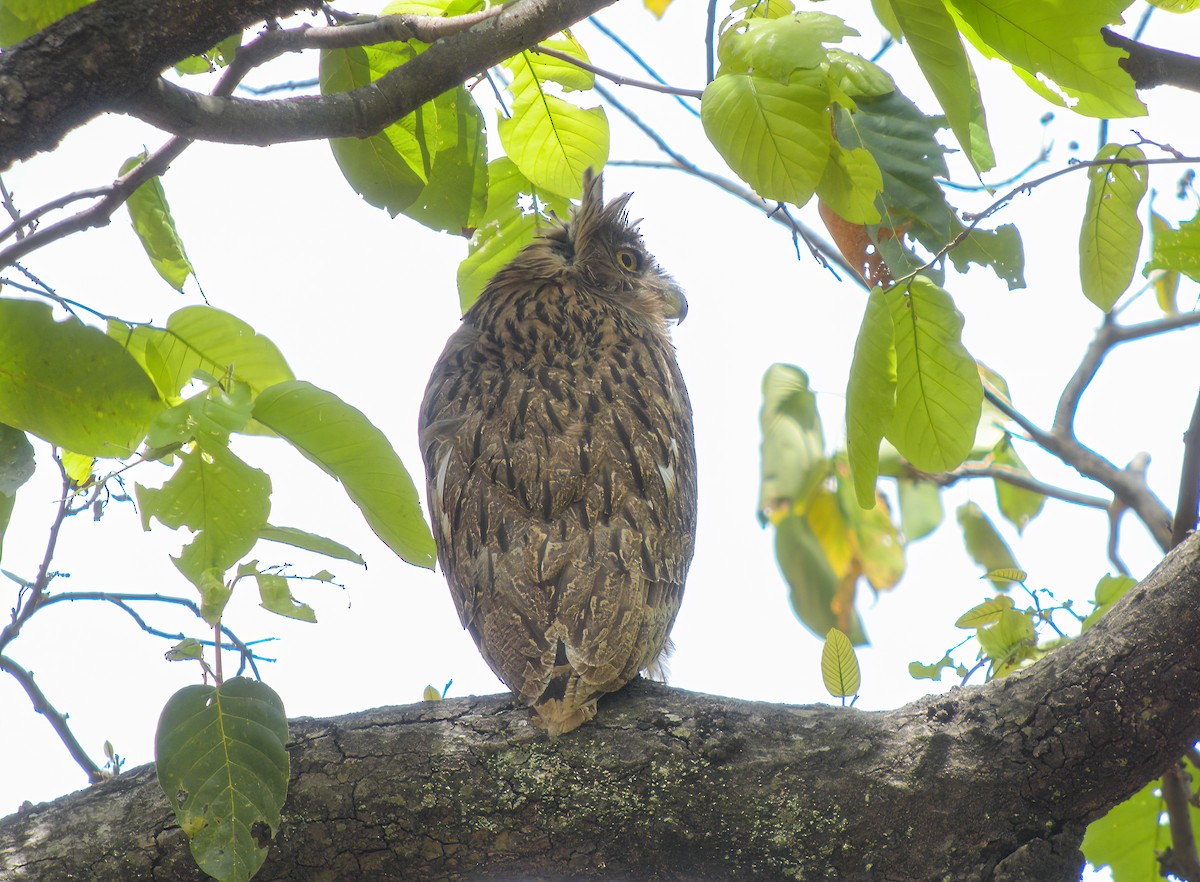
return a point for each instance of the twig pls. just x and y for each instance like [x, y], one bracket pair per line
[37, 589]
[638, 60]
[1129, 484]
[1187, 509]
[122, 600]
[1016, 478]
[1151, 67]
[57, 721]
[683, 164]
[710, 48]
[616, 78]
[1183, 860]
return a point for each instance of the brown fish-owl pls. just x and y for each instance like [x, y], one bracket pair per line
[561, 470]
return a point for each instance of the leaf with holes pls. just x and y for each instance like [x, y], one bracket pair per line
[1111, 235]
[221, 758]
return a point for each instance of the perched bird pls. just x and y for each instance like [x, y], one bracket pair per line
[557, 438]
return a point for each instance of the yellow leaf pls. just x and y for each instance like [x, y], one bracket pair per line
[431, 694]
[658, 7]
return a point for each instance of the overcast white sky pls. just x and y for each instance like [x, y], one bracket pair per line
[361, 305]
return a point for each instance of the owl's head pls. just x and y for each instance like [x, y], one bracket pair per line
[605, 251]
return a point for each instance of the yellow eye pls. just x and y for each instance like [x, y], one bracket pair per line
[628, 259]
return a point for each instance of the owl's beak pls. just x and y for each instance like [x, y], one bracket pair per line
[676, 304]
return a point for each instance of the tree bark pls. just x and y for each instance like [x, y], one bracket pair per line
[992, 782]
[94, 59]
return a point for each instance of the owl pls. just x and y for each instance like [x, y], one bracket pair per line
[556, 433]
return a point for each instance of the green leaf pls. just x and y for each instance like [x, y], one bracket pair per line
[343, 442]
[20, 19]
[222, 762]
[870, 395]
[188, 649]
[507, 226]
[793, 444]
[202, 338]
[775, 47]
[1058, 48]
[1177, 250]
[451, 131]
[1130, 838]
[1166, 282]
[219, 497]
[155, 227]
[812, 580]
[855, 77]
[775, 136]
[933, 38]
[1176, 6]
[851, 183]
[839, 665]
[921, 509]
[1008, 641]
[70, 384]
[918, 671]
[16, 460]
[277, 597]
[216, 57]
[382, 168]
[310, 542]
[887, 18]
[986, 613]
[1111, 235]
[984, 544]
[1007, 574]
[938, 392]
[1018, 505]
[1109, 590]
[1000, 249]
[553, 142]
[7, 502]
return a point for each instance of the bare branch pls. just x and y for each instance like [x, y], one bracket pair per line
[1187, 509]
[1024, 480]
[616, 78]
[57, 721]
[1128, 484]
[1109, 335]
[361, 112]
[1183, 860]
[1151, 67]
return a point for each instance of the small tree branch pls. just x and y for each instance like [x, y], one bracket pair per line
[1109, 335]
[1187, 509]
[366, 111]
[1183, 860]
[57, 721]
[614, 77]
[1128, 484]
[1016, 478]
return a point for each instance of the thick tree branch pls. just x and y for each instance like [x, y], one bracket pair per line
[1151, 67]
[989, 783]
[92, 60]
[365, 111]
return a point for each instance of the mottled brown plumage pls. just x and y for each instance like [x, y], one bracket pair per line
[557, 438]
